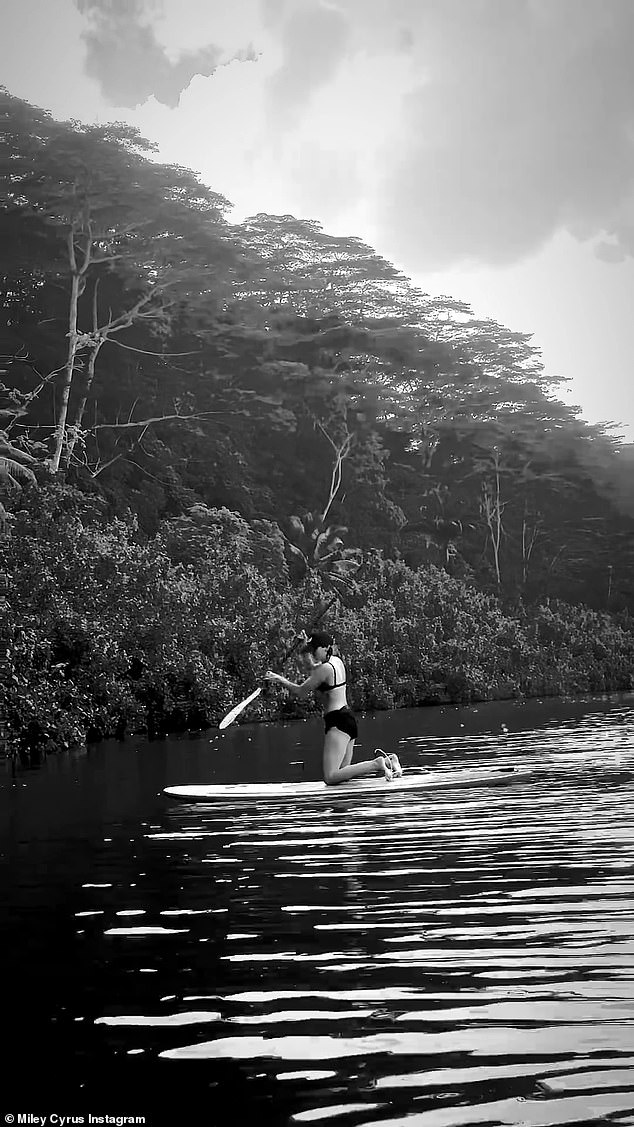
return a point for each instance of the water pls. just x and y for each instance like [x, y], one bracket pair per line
[462, 956]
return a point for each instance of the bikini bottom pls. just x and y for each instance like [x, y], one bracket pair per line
[344, 720]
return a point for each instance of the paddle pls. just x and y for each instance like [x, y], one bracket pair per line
[235, 712]
[238, 708]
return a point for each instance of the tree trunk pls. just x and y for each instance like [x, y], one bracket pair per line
[492, 511]
[78, 283]
[529, 539]
[73, 427]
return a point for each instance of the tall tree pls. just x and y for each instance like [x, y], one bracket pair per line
[111, 209]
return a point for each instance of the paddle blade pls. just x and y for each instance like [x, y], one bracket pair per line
[235, 712]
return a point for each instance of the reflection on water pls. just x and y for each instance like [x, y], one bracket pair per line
[464, 956]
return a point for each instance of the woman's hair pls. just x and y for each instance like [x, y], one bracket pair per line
[319, 638]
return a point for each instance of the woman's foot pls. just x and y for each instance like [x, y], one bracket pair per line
[397, 770]
[383, 765]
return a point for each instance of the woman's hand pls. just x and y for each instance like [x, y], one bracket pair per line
[270, 676]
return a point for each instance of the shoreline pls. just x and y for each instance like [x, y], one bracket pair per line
[36, 754]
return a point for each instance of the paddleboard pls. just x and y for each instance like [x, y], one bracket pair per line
[411, 780]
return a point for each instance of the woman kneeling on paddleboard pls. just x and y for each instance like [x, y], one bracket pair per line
[328, 677]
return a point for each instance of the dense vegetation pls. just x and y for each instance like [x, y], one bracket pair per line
[207, 428]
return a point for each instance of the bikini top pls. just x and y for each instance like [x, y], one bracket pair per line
[337, 684]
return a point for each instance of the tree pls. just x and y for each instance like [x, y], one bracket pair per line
[111, 210]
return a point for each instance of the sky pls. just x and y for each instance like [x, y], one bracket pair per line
[486, 147]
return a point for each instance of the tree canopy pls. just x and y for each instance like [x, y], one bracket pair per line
[162, 358]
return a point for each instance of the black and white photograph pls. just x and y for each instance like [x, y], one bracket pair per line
[317, 563]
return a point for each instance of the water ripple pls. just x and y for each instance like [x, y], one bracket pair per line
[446, 958]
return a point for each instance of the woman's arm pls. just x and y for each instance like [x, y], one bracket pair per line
[317, 677]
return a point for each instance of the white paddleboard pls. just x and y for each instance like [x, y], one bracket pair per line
[411, 780]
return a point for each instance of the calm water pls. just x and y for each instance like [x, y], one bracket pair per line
[461, 956]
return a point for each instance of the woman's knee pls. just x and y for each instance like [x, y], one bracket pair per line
[332, 773]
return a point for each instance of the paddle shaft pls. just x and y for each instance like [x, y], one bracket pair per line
[297, 642]
[238, 708]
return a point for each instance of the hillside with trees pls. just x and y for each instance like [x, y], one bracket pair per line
[207, 429]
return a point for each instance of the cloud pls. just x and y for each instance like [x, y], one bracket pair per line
[125, 57]
[515, 120]
[466, 131]
[314, 42]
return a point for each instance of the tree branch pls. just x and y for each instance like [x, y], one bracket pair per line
[144, 351]
[341, 453]
[137, 442]
[155, 419]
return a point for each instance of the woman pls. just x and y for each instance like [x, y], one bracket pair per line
[328, 678]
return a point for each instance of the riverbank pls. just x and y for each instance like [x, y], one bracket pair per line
[105, 632]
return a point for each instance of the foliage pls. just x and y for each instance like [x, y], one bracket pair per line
[104, 629]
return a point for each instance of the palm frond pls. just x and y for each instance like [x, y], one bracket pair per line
[14, 472]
